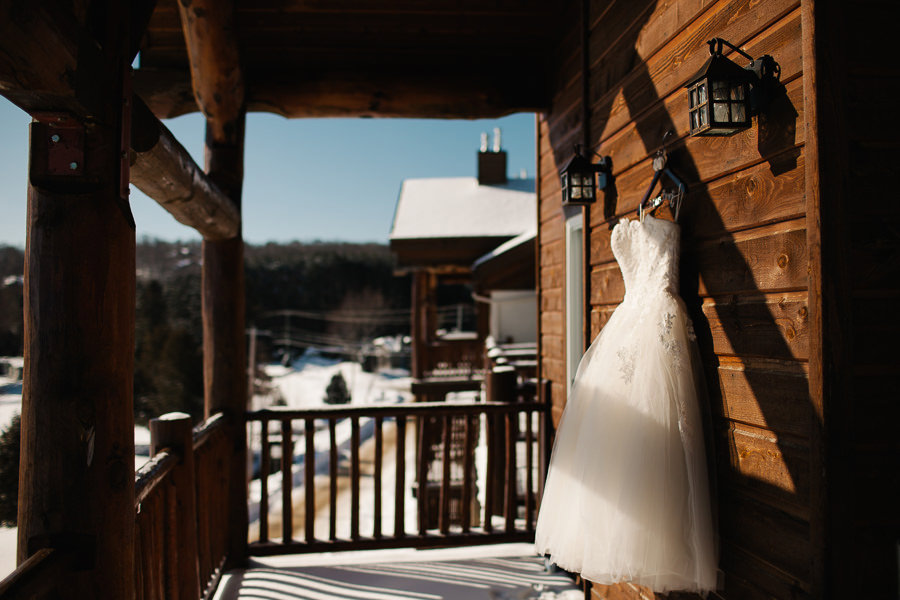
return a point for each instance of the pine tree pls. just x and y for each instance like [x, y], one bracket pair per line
[336, 392]
[9, 472]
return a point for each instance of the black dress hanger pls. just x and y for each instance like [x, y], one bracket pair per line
[675, 196]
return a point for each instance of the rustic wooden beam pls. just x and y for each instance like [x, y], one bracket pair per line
[224, 355]
[218, 81]
[48, 63]
[77, 466]
[369, 94]
[165, 171]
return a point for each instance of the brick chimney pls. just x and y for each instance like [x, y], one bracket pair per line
[491, 163]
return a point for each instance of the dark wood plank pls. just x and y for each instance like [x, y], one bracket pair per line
[510, 501]
[422, 476]
[354, 478]
[529, 468]
[468, 472]
[309, 483]
[287, 481]
[332, 480]
[265, 467]
[400, 480]
[379, 450]
[444, 499]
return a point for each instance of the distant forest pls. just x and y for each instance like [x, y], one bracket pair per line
[343, 295]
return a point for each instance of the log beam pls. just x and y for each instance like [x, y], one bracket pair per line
[216, 74]
[165, 171]
[48, 63]
[462, 96]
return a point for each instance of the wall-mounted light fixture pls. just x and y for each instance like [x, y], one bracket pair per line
[577, 178]
[723, 96]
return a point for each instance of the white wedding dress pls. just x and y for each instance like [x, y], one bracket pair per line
[627, 494]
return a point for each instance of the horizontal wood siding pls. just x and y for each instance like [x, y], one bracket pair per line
[745, 260]
[859, 293]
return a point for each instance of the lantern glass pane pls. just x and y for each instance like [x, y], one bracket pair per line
[720, 90]
[738, 112]
[695, 119]
[737, 91]
[704, 115]
[720, 112]
[576, 192]
[701, 92]
[589, 192]
[693, 97]
[564, 180]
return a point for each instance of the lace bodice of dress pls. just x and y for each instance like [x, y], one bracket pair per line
[647, 253]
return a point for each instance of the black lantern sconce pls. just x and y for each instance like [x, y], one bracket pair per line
[577, 177]
[723, 96]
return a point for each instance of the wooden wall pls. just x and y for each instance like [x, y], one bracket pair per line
[744, 267]
[856, 80]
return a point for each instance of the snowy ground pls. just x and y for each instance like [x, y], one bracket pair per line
[302, 385]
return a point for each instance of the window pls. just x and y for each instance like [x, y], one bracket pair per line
[574, 232]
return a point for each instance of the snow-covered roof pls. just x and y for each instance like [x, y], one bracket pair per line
[508, 245]
[455, 207]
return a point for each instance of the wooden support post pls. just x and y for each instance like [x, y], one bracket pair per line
[76, 489]
[224, 362]
[502, 384]
[174, 431]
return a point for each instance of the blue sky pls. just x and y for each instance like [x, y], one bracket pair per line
[304, 179]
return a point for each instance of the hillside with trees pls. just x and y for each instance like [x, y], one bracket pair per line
[325, 294]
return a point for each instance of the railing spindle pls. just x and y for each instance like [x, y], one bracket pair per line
[309, 484]
[510, 472]
[529, 477]
[354, 479]
[444, 519]
[287, 481]
[264, 468]
[469, 442]
[332, 478]
[422, 477]
[400, 480]
[379, 448]
[489, 470]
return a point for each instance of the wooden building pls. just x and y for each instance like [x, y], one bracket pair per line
[789, 254]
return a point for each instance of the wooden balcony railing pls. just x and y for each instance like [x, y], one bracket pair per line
[180, 551]
[445, 489]
[180, 496]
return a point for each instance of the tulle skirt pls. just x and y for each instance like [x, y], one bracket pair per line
[627, 494]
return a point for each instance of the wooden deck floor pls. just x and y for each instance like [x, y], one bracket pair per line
[509, 571]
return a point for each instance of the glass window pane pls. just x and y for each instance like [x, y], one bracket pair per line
[701, 89]
[564, 180]
[720, 112]
[720, 90]
[588, 192]
[695, 119]
[704, 115]
[576, 193]
[737, 91]
[693, 97]
[738, 112]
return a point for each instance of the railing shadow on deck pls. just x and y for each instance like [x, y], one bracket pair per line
[446, 514]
